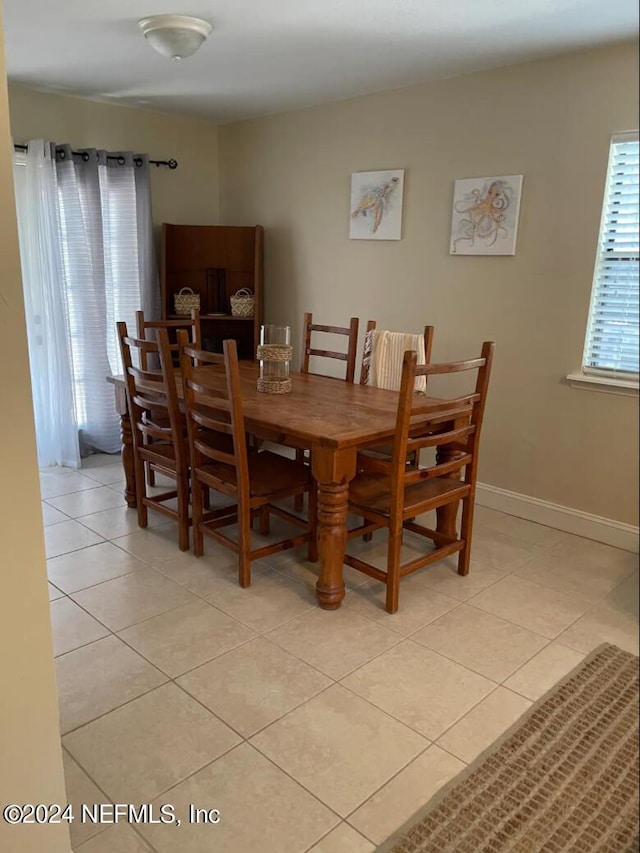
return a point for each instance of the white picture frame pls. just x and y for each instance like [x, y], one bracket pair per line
[485, 215]
[376, 205]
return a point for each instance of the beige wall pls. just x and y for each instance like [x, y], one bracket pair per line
[550, 121]
[30, 752]
[188, 195]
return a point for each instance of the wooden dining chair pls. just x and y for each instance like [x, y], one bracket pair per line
[253, 479]
[366, 355]
[392, 494]
[385, 450]
[146, 330]
[157, 427]
[310, 329]
[190, 322]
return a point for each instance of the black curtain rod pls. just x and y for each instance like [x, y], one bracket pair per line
[172, 164]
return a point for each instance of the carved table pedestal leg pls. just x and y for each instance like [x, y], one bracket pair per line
[127, 447]
[332, 470]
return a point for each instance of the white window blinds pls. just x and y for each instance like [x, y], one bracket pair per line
[611, 346]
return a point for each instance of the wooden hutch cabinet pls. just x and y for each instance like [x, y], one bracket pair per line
[215, 261]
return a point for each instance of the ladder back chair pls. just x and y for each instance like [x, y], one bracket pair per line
[191, 323]
[309, 329]
[157, 427]
[371, 327]
[350, 332]
[392, 493]
[386, 450]
[253, 480]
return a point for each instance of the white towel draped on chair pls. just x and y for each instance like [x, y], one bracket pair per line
[385, 352]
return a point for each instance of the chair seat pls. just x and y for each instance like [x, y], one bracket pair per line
[373, 492]
[269, 474]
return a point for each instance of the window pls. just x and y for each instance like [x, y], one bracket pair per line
[611, 344]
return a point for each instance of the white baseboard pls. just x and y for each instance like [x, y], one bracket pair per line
[565, 518]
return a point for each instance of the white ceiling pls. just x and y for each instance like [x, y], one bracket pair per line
[263, 58]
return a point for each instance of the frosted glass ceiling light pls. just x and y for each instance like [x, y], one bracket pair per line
[175, 36]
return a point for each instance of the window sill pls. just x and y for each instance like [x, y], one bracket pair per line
[604, 384]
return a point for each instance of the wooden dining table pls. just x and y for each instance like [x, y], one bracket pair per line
[334, 420]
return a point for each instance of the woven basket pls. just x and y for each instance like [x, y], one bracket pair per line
[186, 300]
[242, 303]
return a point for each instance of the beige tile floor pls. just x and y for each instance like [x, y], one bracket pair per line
[309, 730]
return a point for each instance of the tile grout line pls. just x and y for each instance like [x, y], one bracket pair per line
[110, 630]
[105, 713]
[412, 727]
[467, 666]
[429, 745]
[93, 781]
[247, 742]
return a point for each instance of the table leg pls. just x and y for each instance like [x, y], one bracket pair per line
[127, 462]
[127, 447]
[332, 470]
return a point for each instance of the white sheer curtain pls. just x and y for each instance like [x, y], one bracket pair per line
[46, 302]
[104, 234]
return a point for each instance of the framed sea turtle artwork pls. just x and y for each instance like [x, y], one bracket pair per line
[485, 215]
[376, 205]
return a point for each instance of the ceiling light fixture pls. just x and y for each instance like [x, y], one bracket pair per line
[175, 36]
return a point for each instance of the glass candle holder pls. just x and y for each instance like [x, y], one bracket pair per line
[274, 355]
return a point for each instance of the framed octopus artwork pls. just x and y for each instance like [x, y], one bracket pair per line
[376, 205]
[485, 215]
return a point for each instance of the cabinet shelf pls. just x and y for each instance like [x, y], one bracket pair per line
[224, 317]
[215, 261]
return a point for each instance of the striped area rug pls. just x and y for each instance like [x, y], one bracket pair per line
[564, 778]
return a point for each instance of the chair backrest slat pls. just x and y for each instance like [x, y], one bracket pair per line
[350, 331]
[450, 407]
[214, 454]
[449, 367]
[151, 402]
[326, 353]
[219, 424]
[141, 375]
[439, 439]
[439, 470]
[215, 397]
[334, 330]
